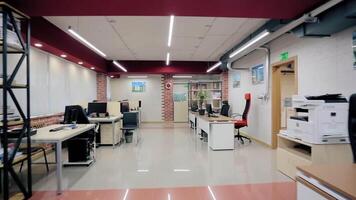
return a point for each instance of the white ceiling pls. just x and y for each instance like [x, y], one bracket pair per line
[145, 37]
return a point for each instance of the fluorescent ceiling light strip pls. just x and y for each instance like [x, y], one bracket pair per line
[182, 76]
[181, 170]
[143, 170]
[136, 76]
[213, 67]
[211, 193]
[86, 42]
[119, 66]
[171, 22]
[249, 43]
[167, 59]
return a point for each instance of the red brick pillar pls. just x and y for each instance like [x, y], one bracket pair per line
[167, 98]
[225, 85]
[101, 87]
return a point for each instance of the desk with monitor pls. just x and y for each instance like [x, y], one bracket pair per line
[108, 115]
[220, 131]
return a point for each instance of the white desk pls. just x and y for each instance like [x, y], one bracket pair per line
[220, 131]
[193, 119]
[114, 129]
[45, 136]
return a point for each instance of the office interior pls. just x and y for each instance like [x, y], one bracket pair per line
[171, 100]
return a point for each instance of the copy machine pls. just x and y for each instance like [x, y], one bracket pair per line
[319, 119]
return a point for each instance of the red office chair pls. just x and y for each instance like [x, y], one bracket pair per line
[240, 123]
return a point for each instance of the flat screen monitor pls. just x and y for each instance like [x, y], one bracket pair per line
[75, 114]
[209, 109]
[96, 108]
[124, 107]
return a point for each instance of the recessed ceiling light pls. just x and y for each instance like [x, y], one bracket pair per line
[80, 62]
[63, 55]
[38, 45]
[86, 42]
[92, 68]
[111, 76]
[119, 66]
[213, 67]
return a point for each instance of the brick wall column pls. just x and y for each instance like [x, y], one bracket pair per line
[225, 85]
[101, 85]
[167, 98]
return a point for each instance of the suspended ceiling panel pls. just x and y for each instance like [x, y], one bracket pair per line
[145, 37]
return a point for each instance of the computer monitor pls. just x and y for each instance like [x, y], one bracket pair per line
[194, 106]
[124, 107]
[96, 108]
[209, 109]
[352, 124]
[75, 114]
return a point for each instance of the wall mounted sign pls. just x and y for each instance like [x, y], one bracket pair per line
[354, 48]
[138, 86]
[284, 56]
[236, 80]
[258, 73]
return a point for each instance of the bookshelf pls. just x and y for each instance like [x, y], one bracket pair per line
[213, 90]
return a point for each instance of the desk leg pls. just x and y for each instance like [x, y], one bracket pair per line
[59, 167]
[113, 134]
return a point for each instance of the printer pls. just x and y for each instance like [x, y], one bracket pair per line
[319, 119]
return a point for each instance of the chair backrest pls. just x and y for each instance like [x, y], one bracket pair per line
[225, 110]
[130, 119]
[352, 124]
[247, 106]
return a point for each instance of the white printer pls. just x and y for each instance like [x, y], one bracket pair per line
[319, 119]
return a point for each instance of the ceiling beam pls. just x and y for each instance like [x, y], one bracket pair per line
[159, 67]
[276, 9]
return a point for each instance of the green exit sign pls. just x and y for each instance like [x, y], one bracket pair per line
[284, 56]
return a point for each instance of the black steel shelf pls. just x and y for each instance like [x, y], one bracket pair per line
[15, 86]
[12, 16]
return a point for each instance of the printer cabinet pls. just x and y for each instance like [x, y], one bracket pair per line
[293, 152]
[106, 135]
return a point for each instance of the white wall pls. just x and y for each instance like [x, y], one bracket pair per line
[55, 83]
[324, 66]
[151, 99]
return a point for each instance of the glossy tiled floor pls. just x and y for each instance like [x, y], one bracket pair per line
[170, 158]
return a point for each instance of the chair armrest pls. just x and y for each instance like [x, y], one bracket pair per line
[236, 115]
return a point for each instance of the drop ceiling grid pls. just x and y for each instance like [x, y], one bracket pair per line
[145, 37]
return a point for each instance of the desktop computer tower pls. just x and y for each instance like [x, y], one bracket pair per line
[78, 150]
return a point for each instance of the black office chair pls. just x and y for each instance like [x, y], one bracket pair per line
[129, 124]
[225, 109]
[352, 124]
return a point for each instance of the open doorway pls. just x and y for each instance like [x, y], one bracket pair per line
[284, 86]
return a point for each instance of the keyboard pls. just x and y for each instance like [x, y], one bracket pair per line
[213, 115]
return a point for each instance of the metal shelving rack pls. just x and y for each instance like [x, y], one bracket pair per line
[11, 15]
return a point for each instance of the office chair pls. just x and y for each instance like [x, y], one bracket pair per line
[240, 123]
[352, 124]
[225, 109]
[129, 123]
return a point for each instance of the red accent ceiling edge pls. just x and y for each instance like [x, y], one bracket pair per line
[159, 67]
[57, 42]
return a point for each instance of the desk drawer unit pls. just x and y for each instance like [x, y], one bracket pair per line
[221, 136]
[106, 133]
